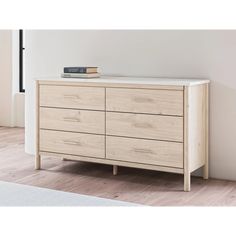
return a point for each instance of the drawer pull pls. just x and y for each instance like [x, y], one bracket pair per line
[71, 119]
[142, 99]
[142, 150]
[71, 96]
[77, 143]
[143, 125]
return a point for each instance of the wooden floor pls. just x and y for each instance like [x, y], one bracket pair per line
[132, 185]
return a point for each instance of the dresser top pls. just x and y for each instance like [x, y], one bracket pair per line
[115, 80]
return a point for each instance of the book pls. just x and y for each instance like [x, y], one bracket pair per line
[80, 75]
[84, 70]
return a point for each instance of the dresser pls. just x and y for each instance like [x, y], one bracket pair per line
[150, 123]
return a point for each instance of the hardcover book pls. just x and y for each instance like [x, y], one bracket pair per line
[84, 70]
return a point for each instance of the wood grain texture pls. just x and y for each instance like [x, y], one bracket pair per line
[113, 162]
[161, 102]
[197, 116]
[72, 143]
[145, 151]
[206, 166]
[37, 117]
[72, 120]
[195, 131]
[108, 84]
[146, 187]
[169, 128]
[14, 162]
[72, 97]
[187, 172]
[163, 127]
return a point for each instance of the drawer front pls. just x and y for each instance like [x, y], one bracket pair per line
[72, 97]
[168, 128]
[72, 120]
[164, 102]
[145, 151]
[72, 143]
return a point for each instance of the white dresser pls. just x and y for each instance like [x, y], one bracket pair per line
[150, 123]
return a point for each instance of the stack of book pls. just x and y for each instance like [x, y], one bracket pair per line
[80, 72]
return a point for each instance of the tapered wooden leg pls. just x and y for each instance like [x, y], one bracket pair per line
[205, 171]
[37, 162]
[187, 181]
[115, 170]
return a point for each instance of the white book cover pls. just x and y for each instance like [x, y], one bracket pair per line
[80, 75]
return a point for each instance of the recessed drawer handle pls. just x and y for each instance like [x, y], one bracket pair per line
[71, 96]
[142, 125]
[77, 143]
[71, 119]
[142, 150]
[142, 99]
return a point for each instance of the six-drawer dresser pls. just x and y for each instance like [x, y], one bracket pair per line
[151, 123]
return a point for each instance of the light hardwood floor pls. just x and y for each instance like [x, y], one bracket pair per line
[132, 185]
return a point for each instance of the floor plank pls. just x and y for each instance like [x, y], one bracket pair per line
[133, 185]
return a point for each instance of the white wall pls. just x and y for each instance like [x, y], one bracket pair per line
[207, 54]
[6, 99]
[12, 110]
[18, 103]
[19, 110]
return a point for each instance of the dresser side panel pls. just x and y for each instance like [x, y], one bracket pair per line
[197, 126]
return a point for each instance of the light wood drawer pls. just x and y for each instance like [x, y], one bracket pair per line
[72, 143]
[165, 102]
[145, 151]
[168, 128]
[72, 120]
[72, 97]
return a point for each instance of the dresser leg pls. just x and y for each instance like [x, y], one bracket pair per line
[205, 171]
[206, 166]
[115, 170]
[37, 162]
[187, 182]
